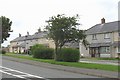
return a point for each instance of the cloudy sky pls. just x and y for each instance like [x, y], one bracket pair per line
[29, 15]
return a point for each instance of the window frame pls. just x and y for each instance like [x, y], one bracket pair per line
[94, 37]
[108, 36]
[118, 49]
[106, 49]
[119, 34]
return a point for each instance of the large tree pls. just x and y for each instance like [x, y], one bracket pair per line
[5, 28]
[64, 29]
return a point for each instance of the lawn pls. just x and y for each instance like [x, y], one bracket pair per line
[72, 64]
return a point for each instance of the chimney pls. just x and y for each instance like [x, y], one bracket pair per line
[27, 33]
[39, 30]
[19, 35]
[102, 20]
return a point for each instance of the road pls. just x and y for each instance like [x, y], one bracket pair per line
[12, 69]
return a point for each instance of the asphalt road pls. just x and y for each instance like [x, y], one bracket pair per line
[12, 69]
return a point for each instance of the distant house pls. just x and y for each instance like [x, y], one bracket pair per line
[6, 49]
[104, 40]
[23, 43]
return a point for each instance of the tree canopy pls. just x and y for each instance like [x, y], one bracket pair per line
[63, 29]
[5, 25]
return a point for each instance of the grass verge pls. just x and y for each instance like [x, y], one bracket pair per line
[72, 64]
[103, 58]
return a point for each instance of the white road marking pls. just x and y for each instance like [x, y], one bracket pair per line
[23, 74]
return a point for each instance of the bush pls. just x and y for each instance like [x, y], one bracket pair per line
[68, 55]
[3, 51]
[42, 52]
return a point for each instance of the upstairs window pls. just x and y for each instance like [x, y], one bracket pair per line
[94, 37]
[119, 34]
[107, 36]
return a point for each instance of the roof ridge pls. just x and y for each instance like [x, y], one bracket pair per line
[101, 28]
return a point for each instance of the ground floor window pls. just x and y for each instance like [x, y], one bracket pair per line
[105, 49]
[119, 49]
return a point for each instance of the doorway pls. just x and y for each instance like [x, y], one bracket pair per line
[94, 52]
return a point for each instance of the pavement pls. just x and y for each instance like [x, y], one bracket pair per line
[109, 62]
[92, 72]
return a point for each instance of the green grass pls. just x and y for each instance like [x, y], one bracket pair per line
[103, 58]
[72, 64]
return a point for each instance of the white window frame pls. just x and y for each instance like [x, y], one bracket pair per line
[119, 34]
[107, 49]
[118, 49]
[94, 36]
[107, 36]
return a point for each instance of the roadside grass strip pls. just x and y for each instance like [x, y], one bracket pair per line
[19, 74]
[107, 67]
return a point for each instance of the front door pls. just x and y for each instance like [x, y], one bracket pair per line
[94, 52]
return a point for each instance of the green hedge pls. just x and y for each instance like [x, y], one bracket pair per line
[3, 51]
[42, 52]
[68, 55]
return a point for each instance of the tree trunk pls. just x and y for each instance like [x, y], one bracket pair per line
[56, 51]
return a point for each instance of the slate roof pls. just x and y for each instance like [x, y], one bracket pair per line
[31, 37]
[103, 28]
[72, 44]
[20, 45]
[100, 44]
[116, 43]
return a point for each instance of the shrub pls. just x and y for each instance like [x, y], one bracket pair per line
[3, 51]
[36, 48]
[68, 55]
[42, 52]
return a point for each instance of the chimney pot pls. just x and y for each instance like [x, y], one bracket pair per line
[102, 20]
[27, 33]
[19, 35]
[39, 30]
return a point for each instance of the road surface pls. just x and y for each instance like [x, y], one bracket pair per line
[12, 69]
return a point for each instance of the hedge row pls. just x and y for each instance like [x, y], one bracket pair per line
[68, 55]
[42, 52]
[65, 54]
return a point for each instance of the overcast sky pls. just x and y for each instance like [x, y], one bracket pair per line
[29, 15]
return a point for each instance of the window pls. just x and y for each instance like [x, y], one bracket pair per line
[107, 36]
[105, 49]
[94, 37]
[119, 34]
[119, 49]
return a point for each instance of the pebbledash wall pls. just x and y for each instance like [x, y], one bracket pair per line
[22, 43]
[104, 40]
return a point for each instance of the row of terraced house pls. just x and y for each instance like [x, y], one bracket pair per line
[22, 44]
[103, 41]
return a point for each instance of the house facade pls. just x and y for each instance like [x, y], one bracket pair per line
[104, 40]
[23, 43]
